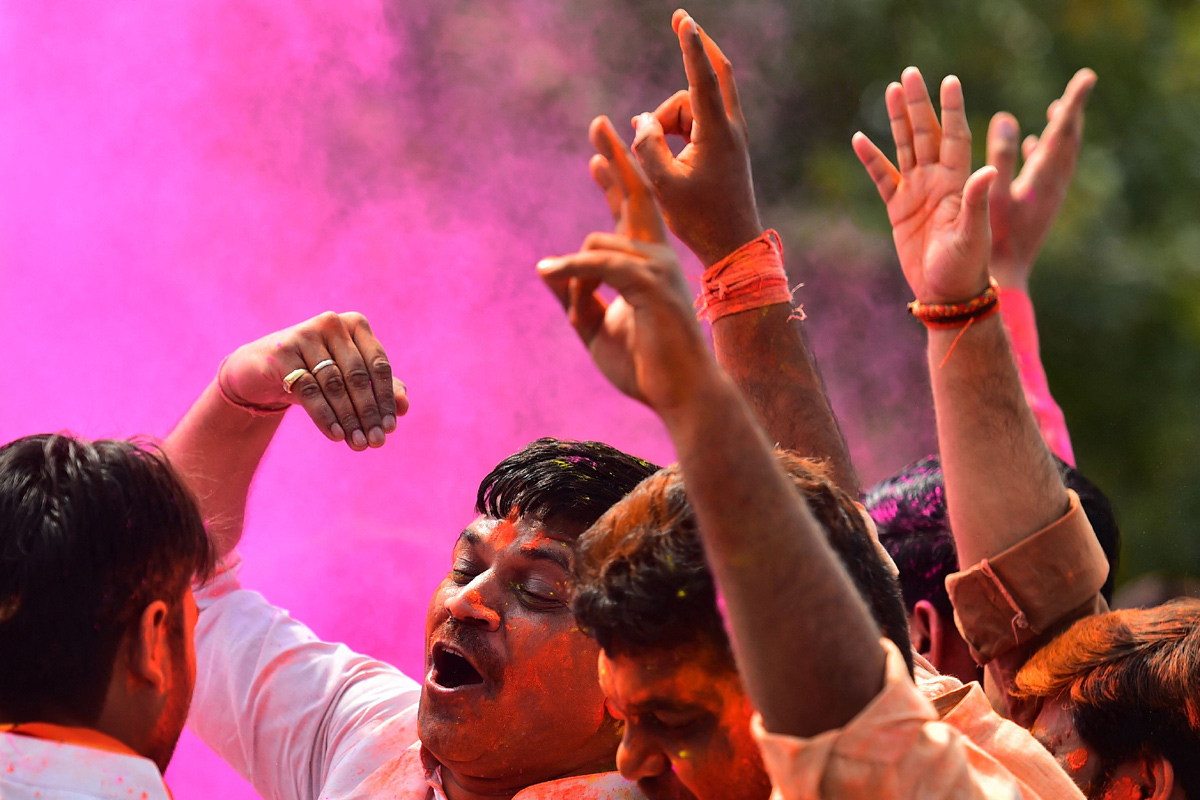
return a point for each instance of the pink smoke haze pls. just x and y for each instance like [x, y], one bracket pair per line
[183, 177]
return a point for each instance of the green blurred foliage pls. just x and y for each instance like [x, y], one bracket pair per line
[1118, 285]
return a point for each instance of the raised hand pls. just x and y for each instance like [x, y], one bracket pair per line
[1022, 210]
[339, 373]
[938, 209]
[705, 192]
[646, 341]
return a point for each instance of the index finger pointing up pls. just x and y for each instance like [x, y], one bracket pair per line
[708, 105]
[641, 212]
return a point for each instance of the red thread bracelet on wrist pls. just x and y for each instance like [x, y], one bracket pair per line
[955, 315]
[943, 316]
[750, 277]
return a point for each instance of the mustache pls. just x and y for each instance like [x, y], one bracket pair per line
[471, 643]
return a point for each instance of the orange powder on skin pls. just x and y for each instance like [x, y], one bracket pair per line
[1077, 759]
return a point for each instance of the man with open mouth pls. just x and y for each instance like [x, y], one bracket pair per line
[510, 705]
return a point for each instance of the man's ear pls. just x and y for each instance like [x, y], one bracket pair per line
[922, 628]
[1163, 774]
[1148, 776]
[149, 650]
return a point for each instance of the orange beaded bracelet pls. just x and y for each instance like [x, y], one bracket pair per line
[956, 315]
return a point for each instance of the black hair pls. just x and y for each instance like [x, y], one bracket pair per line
[909, 509]
[560, 480]
[1130, 681]
[642, 581]
[90, 534]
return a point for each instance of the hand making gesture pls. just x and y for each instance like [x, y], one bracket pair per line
[646, 341]
[333, 366]
[1024, 208]
[938, 209]
[706, 192]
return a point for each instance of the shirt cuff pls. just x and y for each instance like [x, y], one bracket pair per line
[882, 733]
[1005, 601]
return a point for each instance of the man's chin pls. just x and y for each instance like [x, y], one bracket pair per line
[457, 733]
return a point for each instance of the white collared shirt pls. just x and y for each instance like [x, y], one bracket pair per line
[39, 769]
[302, 719]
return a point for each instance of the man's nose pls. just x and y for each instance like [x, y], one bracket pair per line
[638, 757]
[467, 604]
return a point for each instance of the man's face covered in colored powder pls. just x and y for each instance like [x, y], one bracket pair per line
[687, 725]
[511, 696]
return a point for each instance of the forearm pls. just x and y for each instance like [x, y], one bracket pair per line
[1001, 484]
[217, 448]
[766, 355]
[795, 617]
[1016, 309]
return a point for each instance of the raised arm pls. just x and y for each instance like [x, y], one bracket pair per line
[1001, 483]
[281, 707]
[1002, 488]
[1022, 211]
[333, 366]
[707, 197]
[763, 544]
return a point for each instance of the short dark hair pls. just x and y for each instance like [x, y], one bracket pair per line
[90, 534]
[1131, 682]
[560, 480]
[909, 509]
[642, 582]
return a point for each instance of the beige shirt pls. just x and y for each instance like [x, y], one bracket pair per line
[902, 745]
[938, 738]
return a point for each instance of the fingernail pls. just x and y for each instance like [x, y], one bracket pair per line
[357, 439]
[337, 433]
[376, 437]
[546, 263]
[1006, 128]
[389, 423]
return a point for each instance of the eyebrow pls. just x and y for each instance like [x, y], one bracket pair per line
[556, 556]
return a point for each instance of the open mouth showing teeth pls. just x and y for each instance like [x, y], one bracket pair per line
[452, 670]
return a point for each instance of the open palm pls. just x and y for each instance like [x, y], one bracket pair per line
[937, 208]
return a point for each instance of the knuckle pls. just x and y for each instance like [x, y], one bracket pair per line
[331, 323]
[333, 384]
[349, 421]
[327, 318]
[381, 367]
[358, 379]
[355, 319]
[309, 390]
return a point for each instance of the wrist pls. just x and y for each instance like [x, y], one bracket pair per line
[955, 314]
[750, 277]
[721, 247]
[705, 392]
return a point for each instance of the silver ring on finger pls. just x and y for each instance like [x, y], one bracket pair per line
[290, 379]
[329, 362]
